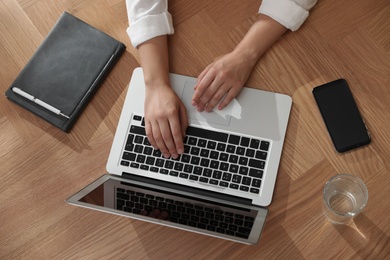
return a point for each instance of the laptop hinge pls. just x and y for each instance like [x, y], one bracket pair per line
[175, 186]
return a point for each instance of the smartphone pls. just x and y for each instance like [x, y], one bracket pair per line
[341, 115]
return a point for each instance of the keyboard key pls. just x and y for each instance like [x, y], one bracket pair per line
[231, 149]
[134, 165]
[192, 141]
[255, 143]
[244, 188]
[183, 175]
[226, 176]
[244, 141]
[195, 160]
[198, 170]
[202, 142]
[264, 145]
[144, 167]
[160, 162]
[208, 134]
[261, 155]
[207, 172]
[233, 168]
[243, 161]
[194, 178]
[221, 147]
[129, 156]
[137, 130]
[125, 163]
[243, 170]
[223, 184]
[233, 158]
[195, 150]
[150, 160]
[214, 155]
[256, 173]
[233, 186]
[174, 173]
[256, 183]
[223, 157]
[234, 139]
[256, 163]
[240, 150]
[204, 162]
[246, 181]
[169, 164]
[214, 182]
[214, 164]
[137, 118]
[141, 158]
[211, 145]
[203, 179]
[179, 166]
[217, 174]
[236, 179]
[138, 148]
[188, 168]
[250, 152]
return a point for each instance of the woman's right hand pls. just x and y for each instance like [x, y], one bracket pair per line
[165, 120]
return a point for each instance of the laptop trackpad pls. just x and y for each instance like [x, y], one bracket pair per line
[221, 117]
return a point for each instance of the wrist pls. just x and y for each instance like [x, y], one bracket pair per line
[247, 55]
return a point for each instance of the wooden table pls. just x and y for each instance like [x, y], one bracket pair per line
[41, 166]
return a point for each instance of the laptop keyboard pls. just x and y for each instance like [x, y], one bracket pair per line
[216, 158]
[186, 213]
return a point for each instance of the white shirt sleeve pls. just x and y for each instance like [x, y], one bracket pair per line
[290, 13]
[148, 19]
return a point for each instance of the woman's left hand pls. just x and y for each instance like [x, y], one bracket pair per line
[221, 81]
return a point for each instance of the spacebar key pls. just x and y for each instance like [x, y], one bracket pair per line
[208, 134]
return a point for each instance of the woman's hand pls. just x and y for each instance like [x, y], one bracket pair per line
[165, 120]
[225, 77]
[221, 81]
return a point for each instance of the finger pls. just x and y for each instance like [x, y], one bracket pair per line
[157, 135]
[164, 215]
[203, 84]
[144, 212]
[213, 91]
[177, 135]
[149, 134]
[232, 93]
[219, 96]
[202, 74]
[167, 138]
[155, 213]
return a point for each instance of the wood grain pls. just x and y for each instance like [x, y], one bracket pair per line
[40, 166]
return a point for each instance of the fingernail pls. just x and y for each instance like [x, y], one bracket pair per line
[166, 155]
[174, 156]
[194, 103]
[180, 150]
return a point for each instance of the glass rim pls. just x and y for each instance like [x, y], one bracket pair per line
[353, 178]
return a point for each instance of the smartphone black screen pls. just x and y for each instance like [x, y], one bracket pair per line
[341, 115]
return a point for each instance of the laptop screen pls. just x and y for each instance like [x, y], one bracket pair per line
[240, 223]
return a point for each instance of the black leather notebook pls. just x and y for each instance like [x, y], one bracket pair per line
[65, 71]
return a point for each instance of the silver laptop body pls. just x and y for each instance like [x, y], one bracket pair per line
[237, 213]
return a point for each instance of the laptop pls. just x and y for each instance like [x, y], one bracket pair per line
[221, 185]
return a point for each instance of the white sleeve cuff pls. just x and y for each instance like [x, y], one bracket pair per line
[149, 27]
[288, 13]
